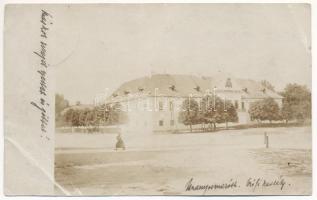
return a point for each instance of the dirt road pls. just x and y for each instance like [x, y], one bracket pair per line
[184, 164]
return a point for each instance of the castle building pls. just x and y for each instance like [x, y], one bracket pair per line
[153, 103]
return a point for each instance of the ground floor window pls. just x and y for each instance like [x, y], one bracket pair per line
[172, 122]
[161, 123]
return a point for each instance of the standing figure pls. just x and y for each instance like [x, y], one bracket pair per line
[120, 143]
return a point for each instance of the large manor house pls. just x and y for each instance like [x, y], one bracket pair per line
[153, 102]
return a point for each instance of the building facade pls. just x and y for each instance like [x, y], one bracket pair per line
[153, 103]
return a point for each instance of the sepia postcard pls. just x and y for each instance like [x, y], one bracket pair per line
[157, 99]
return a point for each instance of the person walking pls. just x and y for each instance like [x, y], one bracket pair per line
[120, 143]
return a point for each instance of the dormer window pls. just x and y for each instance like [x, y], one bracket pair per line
[140, 89]
[172, 87]
[126, 92]
[228, 83]
[197, 88]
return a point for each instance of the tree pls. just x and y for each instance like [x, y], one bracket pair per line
[60, 104]
[189, 113]
[215, 110]
[110, 114]
[84, 117]
[67, 117]
[209, 110]
[296, 103]
[74, 116]
[266, 109]
[230, 113]
[77, 117]
[91, 118]
[101, 114]
[116, 114]
[287, 111]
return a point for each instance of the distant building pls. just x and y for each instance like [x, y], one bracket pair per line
[154, 102]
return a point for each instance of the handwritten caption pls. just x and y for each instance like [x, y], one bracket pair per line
[252, 183]
[42, 104]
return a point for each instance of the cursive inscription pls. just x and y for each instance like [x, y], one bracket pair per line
[42, 104]
[252, 183]
[255, 183]
[205, 187]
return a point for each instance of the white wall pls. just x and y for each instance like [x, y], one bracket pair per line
[144, 113]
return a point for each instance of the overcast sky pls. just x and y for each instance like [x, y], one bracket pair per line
[102, 46]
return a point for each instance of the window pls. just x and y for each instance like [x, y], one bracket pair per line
[160, 105]
[161, 123]
[145, 106]
[242, 105]
[171, 106]
[236, 104]
[172, 87]
[172, 122]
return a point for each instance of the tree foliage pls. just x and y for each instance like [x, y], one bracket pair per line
[215, 110]
[101, 115]
[296, 102]
[211, 111]
[189, 112]
[60, 104]
[266, 109]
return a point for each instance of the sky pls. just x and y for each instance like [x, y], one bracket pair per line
[97, 47]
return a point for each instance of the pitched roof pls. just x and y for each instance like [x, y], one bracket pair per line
[184, 85]
[255, 90]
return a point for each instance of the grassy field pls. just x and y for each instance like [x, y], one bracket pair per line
[163, 164]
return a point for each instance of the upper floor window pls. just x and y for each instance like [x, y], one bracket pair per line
[171, 106]
[197, 88]
[173, 88]
[160, 105]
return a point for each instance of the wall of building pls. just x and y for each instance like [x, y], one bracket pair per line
[166, 115]
[148, 114]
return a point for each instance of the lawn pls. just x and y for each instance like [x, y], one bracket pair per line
[162, 164]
